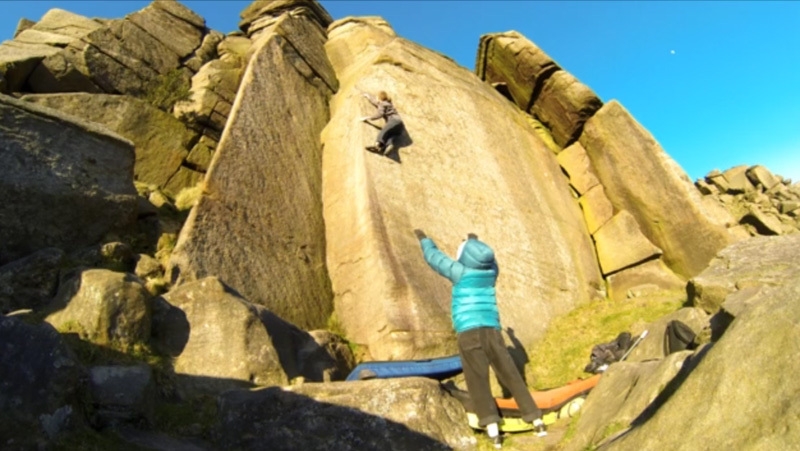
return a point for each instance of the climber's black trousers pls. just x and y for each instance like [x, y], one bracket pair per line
[480, 348]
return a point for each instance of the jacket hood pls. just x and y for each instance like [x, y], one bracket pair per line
[477, 254]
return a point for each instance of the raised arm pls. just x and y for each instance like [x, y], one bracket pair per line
[371, 99]
[439, 261]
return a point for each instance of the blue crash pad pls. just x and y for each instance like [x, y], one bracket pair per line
[439, 369]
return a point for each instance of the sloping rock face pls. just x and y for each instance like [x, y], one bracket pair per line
[751, 367]
[623, 392]
[161, 142]
[405, 413]
[258, 225]
[225, 341]
[755, 262]
[65, 182]
[638, 176]
[759, 201]
[40, 382]
[493, 176]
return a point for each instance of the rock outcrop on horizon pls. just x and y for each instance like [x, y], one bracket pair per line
[196, 249]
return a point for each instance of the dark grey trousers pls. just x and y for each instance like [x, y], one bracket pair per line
[480, 348]
[390, 131]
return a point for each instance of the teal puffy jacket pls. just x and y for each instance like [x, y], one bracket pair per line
[474, 275]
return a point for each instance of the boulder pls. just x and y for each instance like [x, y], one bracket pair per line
[638, 176]
[578, 168]
[40, 384]
[759, 175]
[404, 413]
[161, 142]
[623, 392]
[33, 36]
[649, 277]
[66, 183]
[497, 171]
[177, 9]
[750, 366]
[66, 23]
[737, 179]
[764, 223]
[512, 60]
[173, 31]
[213, 91]
[220, 340]
[23, 25]
[122, 394]
[620, 244]
[258, 224]
[753, 262]
[103, 307]
[537, 84]
[597, 209]
[18, 60]
[206, 52]
[30, 282]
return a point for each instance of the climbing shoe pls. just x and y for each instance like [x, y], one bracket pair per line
[497, 441]
[539, 428]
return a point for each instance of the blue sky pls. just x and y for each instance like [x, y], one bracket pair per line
[717, 83]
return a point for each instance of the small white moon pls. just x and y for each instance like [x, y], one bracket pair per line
[672, 52]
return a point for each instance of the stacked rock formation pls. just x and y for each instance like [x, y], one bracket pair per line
[637, 202]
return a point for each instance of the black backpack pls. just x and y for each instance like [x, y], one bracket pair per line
[607, 353]
[678, 337]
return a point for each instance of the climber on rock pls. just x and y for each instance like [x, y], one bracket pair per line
[392, 128]
[477, 324]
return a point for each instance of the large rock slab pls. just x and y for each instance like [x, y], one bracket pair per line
[537, 84]
[65, 23]
[173, 30]
[597, 209]
[621, 244]
[733, 374]
[754, 262]
[223, 341]
[40, 384]
[104, 307]
[638, 176]
[65, 182]
[405, 413]
[258, 225]
[497, 171]
[161, 142]
[623, 392]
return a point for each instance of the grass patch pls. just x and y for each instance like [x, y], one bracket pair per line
[193, 416]
[563, 353]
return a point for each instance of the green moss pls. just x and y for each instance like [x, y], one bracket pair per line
[188, 197]
[168, 89]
